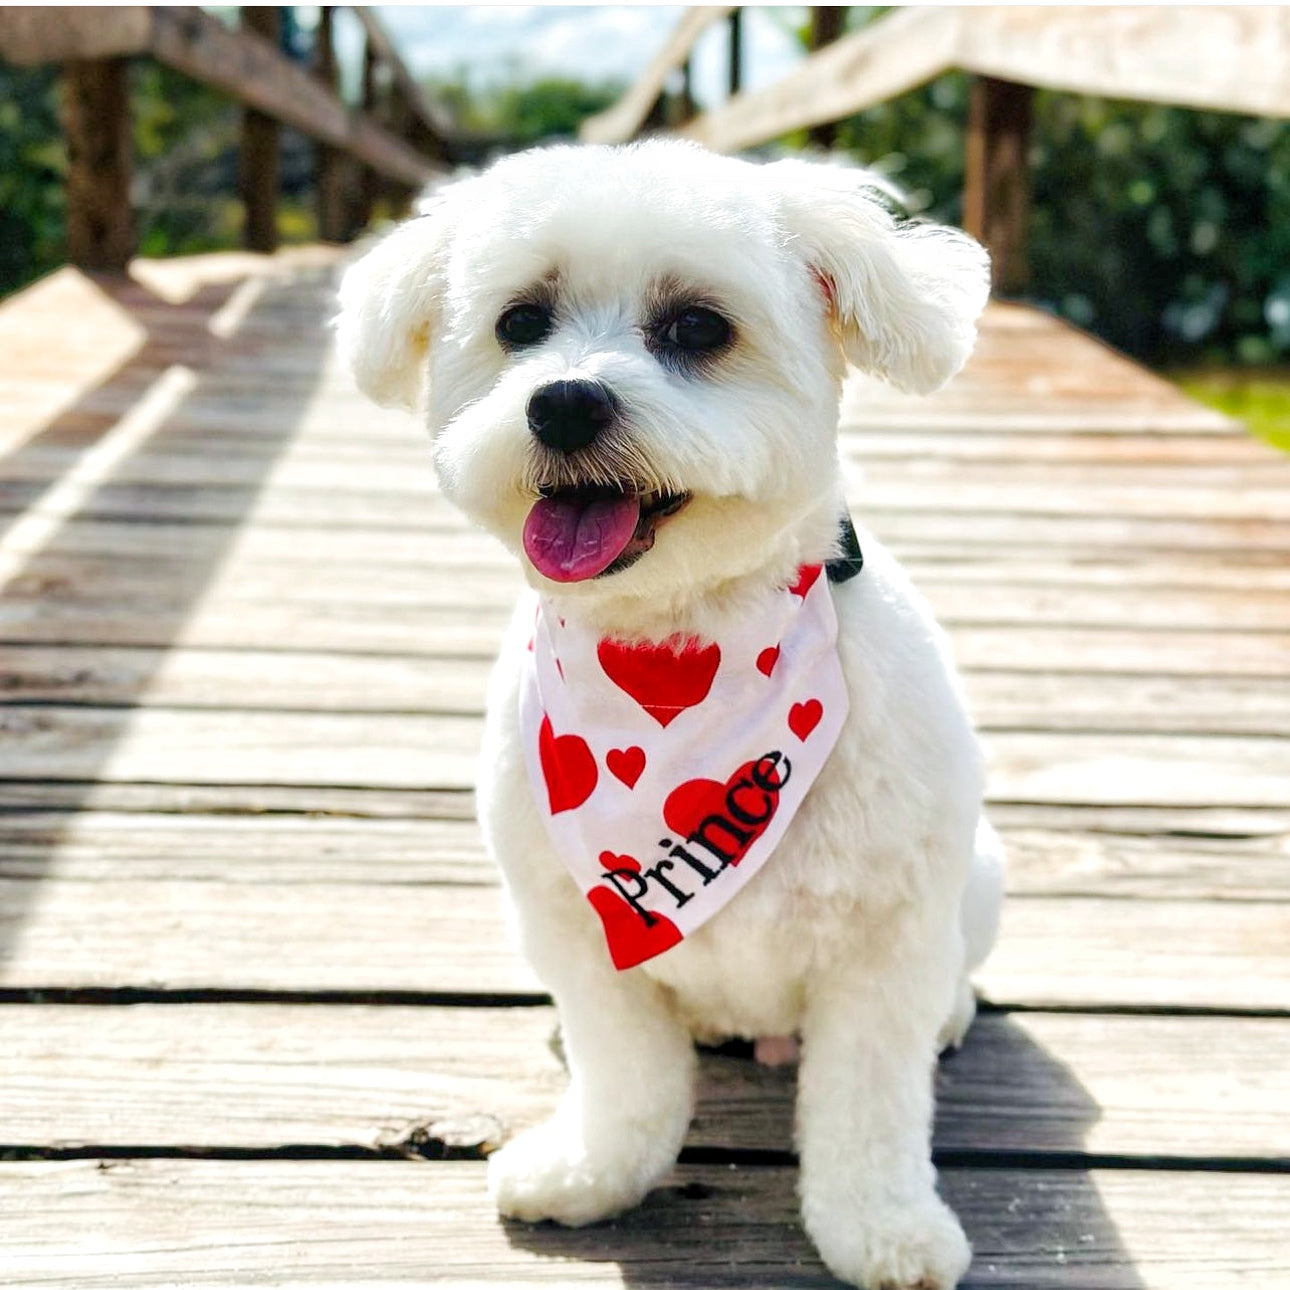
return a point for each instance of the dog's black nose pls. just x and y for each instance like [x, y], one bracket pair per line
[568, 415]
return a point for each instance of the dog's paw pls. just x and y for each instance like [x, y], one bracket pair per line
[914, 1247]
[545, 1173]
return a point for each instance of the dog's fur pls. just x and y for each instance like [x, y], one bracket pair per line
[860, 931]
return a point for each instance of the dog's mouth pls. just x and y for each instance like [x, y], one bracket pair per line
[572, 534]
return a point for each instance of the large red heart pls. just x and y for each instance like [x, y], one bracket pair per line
[690, 804]
[626, 764]
[568, 766]
[804, 717]
[664, 679]
[630, 941]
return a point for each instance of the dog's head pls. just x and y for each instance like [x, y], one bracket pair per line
[630, 358]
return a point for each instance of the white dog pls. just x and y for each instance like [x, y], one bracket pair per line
[630, 360]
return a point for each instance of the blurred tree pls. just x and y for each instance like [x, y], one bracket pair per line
[33, 164]
[523, 111]
[1163, 230]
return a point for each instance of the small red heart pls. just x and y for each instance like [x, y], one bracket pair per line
[690, 804]
[626, 764]
[568, 766]
[608, 860]
[630, 941]
[767, 659]
[804, 717]
[806, 577]
[664, 679]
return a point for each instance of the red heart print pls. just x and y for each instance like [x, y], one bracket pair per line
[746, 809]
[806, 577]
[626, 764]
[568, 767]
[804, 717]
[664, 679]
[767, 659]
[630, 941]
[610, 861]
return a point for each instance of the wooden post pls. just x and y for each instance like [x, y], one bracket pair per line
[827, 23]
[259, 162]
[369, 182]
[329, 175]
[680, 108]
[736, 52]
[96, 119]
[996, 194]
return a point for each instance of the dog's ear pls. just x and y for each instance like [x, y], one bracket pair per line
[904, 297]
[388, 306]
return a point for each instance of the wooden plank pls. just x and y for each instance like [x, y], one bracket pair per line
[228, 746]
[1133, 953]
[250, 70]
[285, 680]
[92, 834]
[86, 1224]
[282, 679]
[394, 750]
[1229, 58]
[375, 496]
[1093, 768]
[342, 935]
[869, 66]
[267, 1076]
[53, 33]
[1125, 52]
[253, 72]
[1196, 854]
[225, 800]
[30, 616]
[96, 845]
[1197, 470]
[1058, 537]
[620, 122]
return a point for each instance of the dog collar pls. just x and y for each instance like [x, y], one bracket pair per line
[666, 773]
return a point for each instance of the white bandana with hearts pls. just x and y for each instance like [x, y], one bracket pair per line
[667, 773]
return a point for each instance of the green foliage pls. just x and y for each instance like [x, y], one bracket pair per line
[1261, 399]
[33, 163]
[524, 112]
[1165, 231]
[185, 142]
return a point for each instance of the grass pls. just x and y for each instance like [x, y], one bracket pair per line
[1259, 398]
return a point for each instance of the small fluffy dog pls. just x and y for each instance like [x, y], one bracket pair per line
[630, 360]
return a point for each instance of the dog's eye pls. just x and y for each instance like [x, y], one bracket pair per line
[698, 330]
[522, 325]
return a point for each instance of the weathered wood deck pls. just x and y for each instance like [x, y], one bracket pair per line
[258, 1019]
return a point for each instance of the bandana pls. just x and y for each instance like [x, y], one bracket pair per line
[666, 773]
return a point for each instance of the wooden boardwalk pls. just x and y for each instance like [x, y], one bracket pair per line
[258, 1018]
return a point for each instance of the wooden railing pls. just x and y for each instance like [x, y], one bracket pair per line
[395, 138]
[1233, 58]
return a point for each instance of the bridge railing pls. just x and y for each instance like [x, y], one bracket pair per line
[394, 138]
[1233, 58]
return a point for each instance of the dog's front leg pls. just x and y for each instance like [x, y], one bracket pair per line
[621, 1123]
[868, 1188]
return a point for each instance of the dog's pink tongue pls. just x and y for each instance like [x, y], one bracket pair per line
[569, 539]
